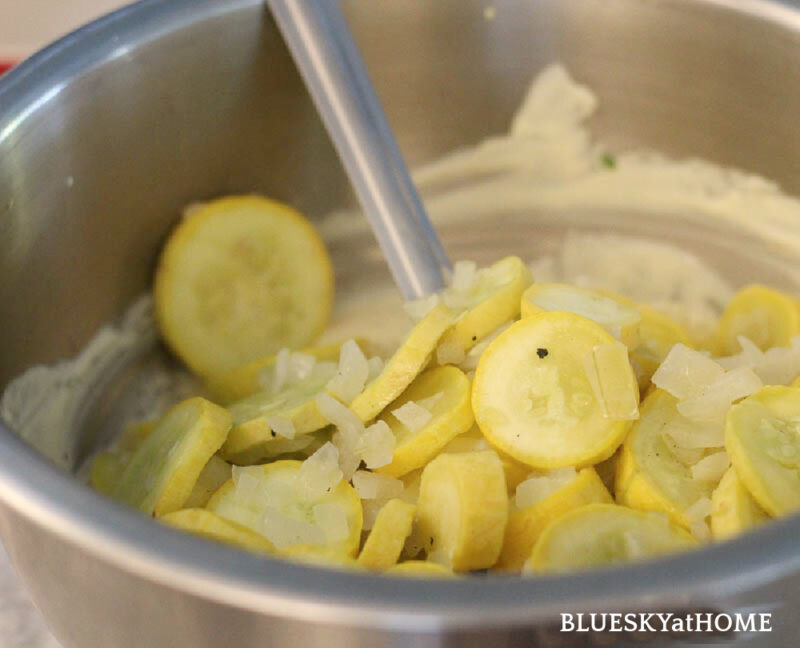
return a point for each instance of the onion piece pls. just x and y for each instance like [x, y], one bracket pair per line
[685, 373]
[352, 373]
[320, 473]
[538, 487]
[281, 426]
[712, 467]
[376, 445]
[412, 416]
[714, 401]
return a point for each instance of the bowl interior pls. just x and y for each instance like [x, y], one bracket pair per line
[102, 147]
[103, 140]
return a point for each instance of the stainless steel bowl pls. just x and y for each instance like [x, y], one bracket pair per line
[107, 133]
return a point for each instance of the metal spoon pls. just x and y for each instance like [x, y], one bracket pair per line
[331, 66]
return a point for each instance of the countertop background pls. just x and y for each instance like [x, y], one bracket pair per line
[26, 26]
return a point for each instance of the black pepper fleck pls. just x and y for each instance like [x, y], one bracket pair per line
[474, 338]
[542, 353]
[272, 432]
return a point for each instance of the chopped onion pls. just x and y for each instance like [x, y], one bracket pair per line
[349, 431]
[712, 467]
[700, 531]
[411, 484]
[338, 414]
[430, 402]
[750, 356]
[609, 313]
[685, 373]
[352, 373]
[412, 416]
[266, 379]
[370, 509]
[281, 426]
[690, 434]
[347, 445]
[247, 483]
[470, 362]
[463, 276]
[421, 307]
[469, 285]
[714, 401]
[320, 473]
[534, 489]
[376, 445]
[780, 365]
[374, 486]
[281, 370]
[301, 366]
[698, 511]
[375, 365]
[687, 456]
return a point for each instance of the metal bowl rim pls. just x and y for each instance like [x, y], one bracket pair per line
[57, 502]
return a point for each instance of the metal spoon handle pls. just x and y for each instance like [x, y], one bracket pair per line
[331, 66]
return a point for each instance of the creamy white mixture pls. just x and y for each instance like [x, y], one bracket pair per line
[548, 160]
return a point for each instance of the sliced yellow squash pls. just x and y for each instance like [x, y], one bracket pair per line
[448, 415]
[161, 474]
[766, 317]
[107, 467]
[526, 525]
[254, 437]
[405, 365]
[237, 384]
[105, 471]
[238, 279]
[607, 470]
[205, 523]
[215, 473]
[473, 441]
[733, 508]
[463, 509]
[321, 557]
[602, 534]
[493, 299]
[762, 437]
[388, 535]
[420, 569]
[618, 316]
[275, 501]
[134, 435]
[534, 399]
[649, 475]
[657, 335]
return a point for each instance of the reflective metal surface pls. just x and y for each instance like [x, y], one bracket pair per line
[106, 135]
